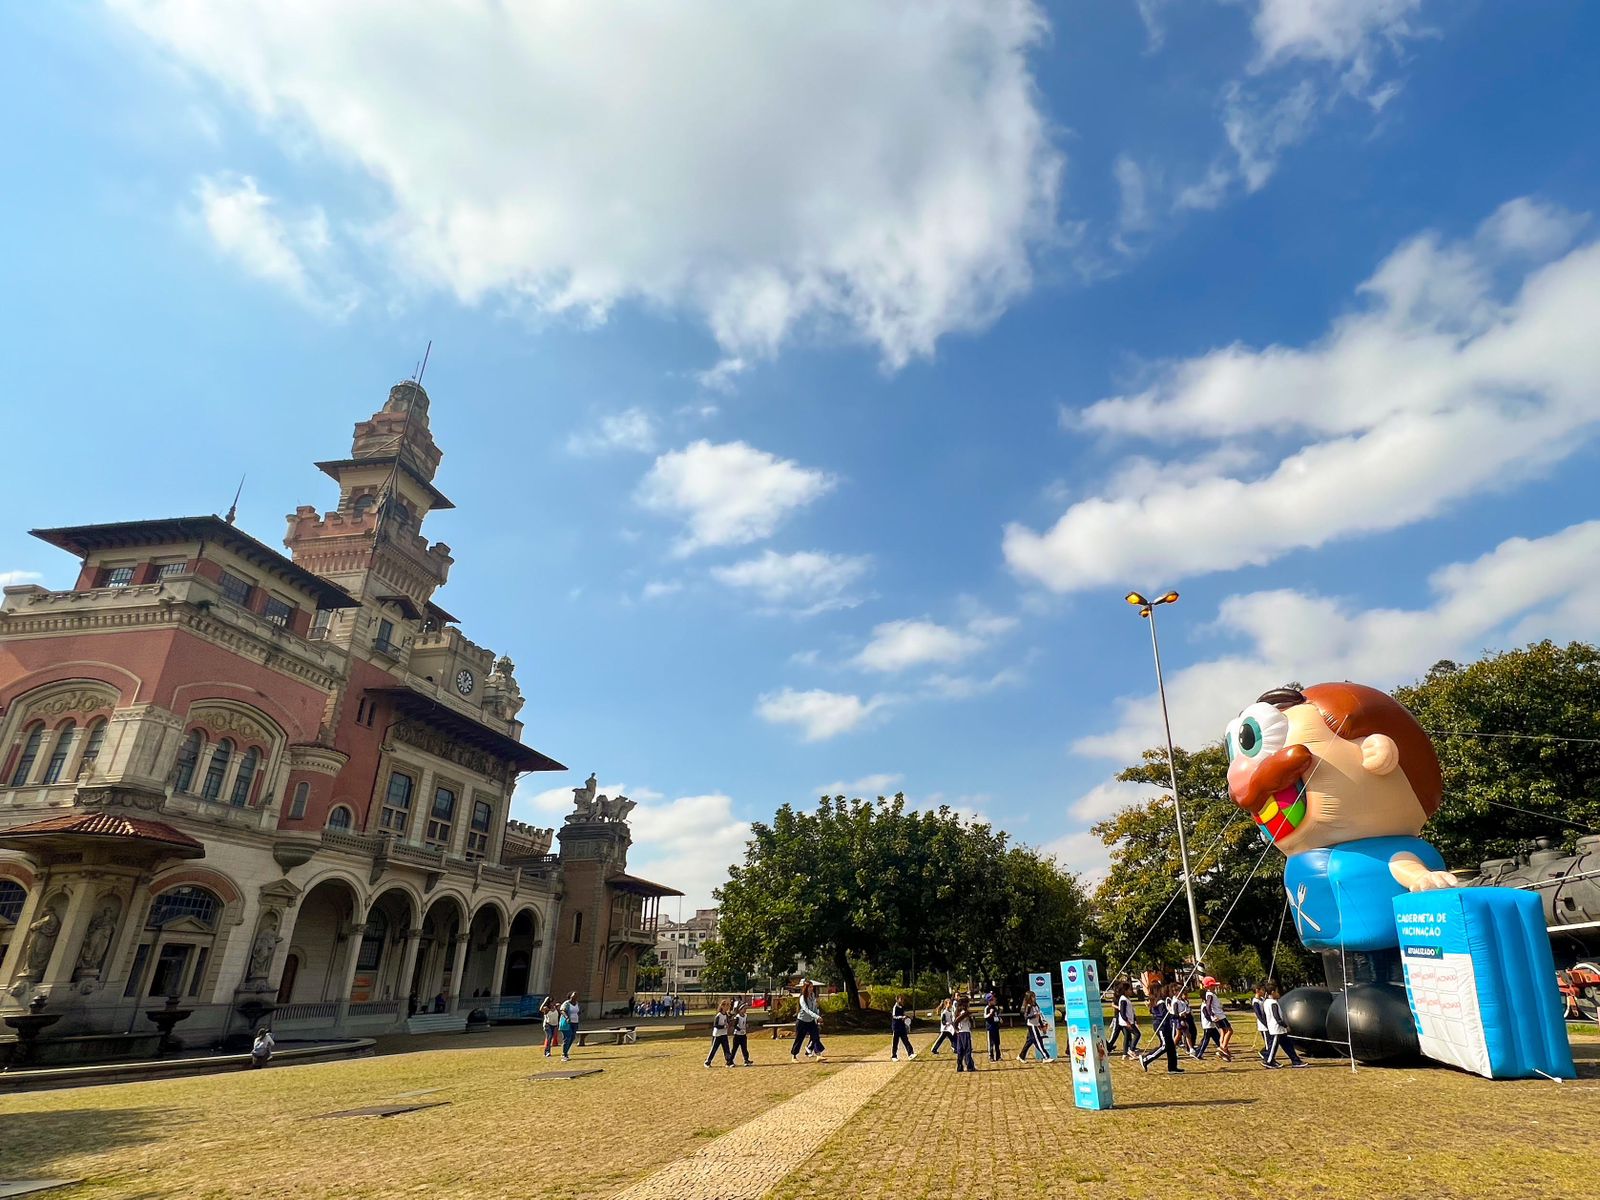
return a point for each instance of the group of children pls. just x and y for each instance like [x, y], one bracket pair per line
[956, 1019]
[730, 1032]
[1174, 1023]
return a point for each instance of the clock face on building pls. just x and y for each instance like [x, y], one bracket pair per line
[464, 682]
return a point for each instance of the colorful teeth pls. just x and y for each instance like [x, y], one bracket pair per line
[1279, 821]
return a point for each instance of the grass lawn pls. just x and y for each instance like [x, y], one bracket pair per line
[249, 1134]
[1010, 1132]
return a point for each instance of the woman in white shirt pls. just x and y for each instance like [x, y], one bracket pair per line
[807, 1024]
[571, 1012]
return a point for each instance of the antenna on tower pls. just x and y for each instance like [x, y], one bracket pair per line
[233, 509]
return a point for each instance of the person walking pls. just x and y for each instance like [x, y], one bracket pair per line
[1277, 1033]
[807, 1024]
[1258, 1005]
[721, 1024]
[1033, 1022]
[571, 1017]
[550, 1018]
[1128, 1021]
[900, 1019]
[947, 1032]
[962, 1022]
[991, 1023]
[1182, 1018]
[1214, 1024]
[261, 1049]
[741, 1034]
[1166, 1035]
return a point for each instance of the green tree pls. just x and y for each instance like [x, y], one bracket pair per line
[723, 972]
[649, 971]
[1497, 725]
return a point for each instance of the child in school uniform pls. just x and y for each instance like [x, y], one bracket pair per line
[740, 1044]
[1182, 1019]
[1128, 1022]
[1033, 1022]
[900, 1019]
[961, 1019]
[991, 1023]
[1214, 1024]
[947, 1028]
[720, 1025]
[1278, 1033]
[1258, 1005]
[1166, 1035]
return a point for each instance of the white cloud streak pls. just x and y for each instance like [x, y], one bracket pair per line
[818, 714]
[246, 227]
[1441, 387]
[805, 582]
[730, 493]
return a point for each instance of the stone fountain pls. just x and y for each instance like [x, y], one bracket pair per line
[28, 1026]
[164, 1019]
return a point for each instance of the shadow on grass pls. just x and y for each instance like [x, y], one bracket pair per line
[1183, 1103]
[35, 1142]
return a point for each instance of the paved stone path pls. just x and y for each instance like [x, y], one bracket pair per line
[747, 1162]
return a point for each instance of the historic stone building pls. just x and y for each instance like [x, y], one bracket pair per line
[227, 774]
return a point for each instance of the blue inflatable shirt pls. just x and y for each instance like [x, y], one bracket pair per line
[1341, 895]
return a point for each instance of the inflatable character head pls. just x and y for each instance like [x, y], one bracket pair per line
[1331, 764]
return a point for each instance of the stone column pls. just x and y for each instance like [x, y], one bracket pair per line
[500, 948]
[352, 946]
[457, 970]
[74, 920]
[408, 968]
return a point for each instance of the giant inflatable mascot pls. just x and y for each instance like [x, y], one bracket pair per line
[1341, 778]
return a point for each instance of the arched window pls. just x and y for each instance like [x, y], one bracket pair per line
[371, 952]
[297, 807]
[30, 751]
[363, 504]
[66, 738]
[188, 760]
[217, 770]
[339, 818]
[177, 942]
[91, 748]
[246, 776]
[12, 898]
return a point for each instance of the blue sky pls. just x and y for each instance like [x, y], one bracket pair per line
[813, 384]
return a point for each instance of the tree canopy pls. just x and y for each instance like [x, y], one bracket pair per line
[857, 882]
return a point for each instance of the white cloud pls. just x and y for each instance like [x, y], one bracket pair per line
[658, 589]
[867, 787]
[1259, 132]
[1342, 33]
[687, 843]
[245, 226]
[13, 578]
[807, 581]
[1440, 388]
[720, 377]
[818, 714]
[966, 687]
[1133, 212]
[901, 645]
[881, 170]
[1521, 590]
[730, 493]
[632, 429]
[1080, 850]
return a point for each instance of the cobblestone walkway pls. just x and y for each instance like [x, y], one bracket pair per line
[747, 1162]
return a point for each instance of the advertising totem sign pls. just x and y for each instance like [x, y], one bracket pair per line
[1044, 993]
[1086, 1034]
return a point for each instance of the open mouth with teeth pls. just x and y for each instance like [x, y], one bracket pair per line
[1282, 814]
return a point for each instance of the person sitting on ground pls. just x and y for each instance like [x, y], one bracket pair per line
[261, 1049]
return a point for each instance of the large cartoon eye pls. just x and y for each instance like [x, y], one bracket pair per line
[1230, 739]
[1258, 731]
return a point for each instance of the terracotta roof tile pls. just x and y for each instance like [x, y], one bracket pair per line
[105, 824]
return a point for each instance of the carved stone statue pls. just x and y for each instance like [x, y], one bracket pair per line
[263, 948]
[97, 938]
[42, 935]
[584, 802]
[504, 666]
[623, 808]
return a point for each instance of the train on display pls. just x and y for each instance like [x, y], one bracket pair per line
[1568, 887]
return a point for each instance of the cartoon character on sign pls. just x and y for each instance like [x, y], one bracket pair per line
[1080, 1054]
[1341, 778]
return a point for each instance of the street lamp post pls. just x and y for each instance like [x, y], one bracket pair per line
[1147, 610]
